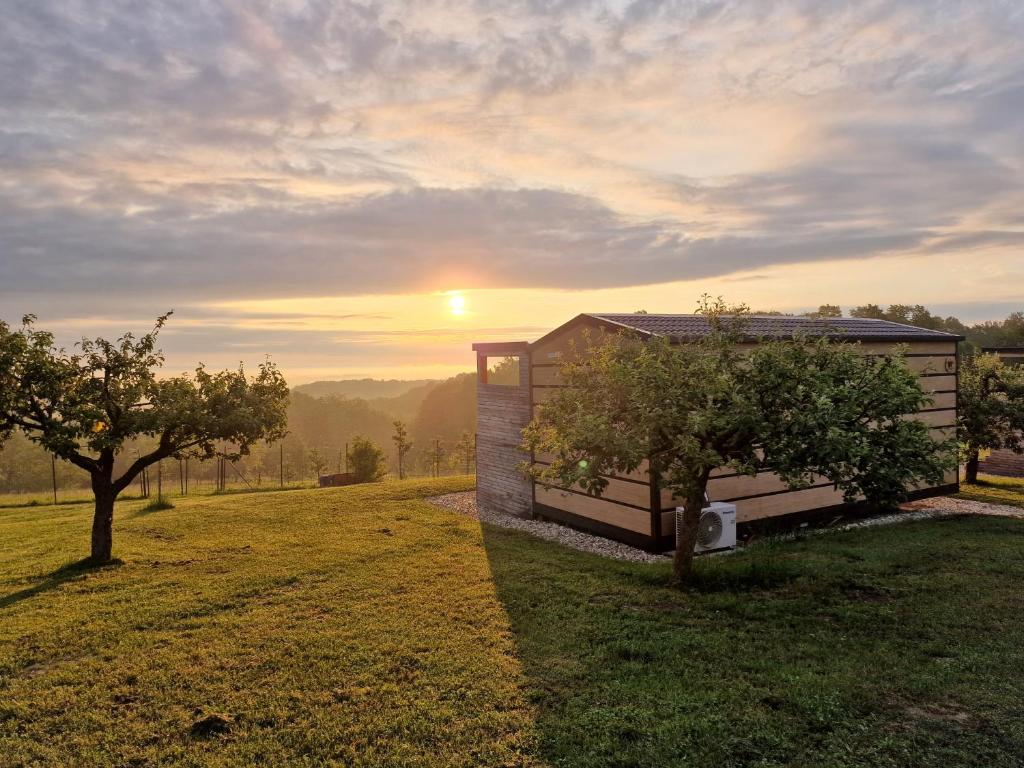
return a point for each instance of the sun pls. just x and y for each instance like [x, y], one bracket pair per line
[457, 304]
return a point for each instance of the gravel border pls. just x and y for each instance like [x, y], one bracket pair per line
[926, 509]
[465, 504]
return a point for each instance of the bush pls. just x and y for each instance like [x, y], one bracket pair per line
[158, 505]
[366, 461]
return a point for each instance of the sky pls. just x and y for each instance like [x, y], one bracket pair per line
[364, 189]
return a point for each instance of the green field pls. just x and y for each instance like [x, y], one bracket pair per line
[362, 626]
[996, 490]
[84, 495]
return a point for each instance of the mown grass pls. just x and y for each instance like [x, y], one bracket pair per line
[362, 626]
[84, 495]
[995, 490]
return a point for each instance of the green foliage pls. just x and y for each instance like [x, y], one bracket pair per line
[1005, 333]
[317, 463]
[86, 406]
[366, 461]
[402, 446]
[827, 310]
[74, 404]
[801, 408]
[158, 505]
[990, 408]
[824, 408]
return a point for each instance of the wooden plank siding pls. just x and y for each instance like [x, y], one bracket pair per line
[627, 501]
[502, 412]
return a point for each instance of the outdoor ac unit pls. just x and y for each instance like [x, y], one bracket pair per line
[717, 527]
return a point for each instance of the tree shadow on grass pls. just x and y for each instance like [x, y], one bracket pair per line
[69, 572]
[157, 505]
[772, 654]
[622, 669]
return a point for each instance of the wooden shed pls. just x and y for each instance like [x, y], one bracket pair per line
[514, 378]
[1003, 462]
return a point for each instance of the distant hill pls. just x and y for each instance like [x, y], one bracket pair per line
[448, 410]
[367, 389]
[406, 405]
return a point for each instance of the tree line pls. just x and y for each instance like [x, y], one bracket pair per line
[443, 418]
[990, 333]
[800, 408]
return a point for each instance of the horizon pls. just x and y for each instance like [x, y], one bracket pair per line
[364, 191]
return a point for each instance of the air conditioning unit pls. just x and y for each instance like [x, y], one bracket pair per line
[717, 527]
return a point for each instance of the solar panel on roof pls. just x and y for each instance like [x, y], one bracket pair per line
[773, 326]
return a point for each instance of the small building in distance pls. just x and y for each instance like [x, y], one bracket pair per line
[514, 378]
[337, 479]
[1004, 463]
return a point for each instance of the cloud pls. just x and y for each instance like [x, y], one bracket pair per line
[225, 150]
[423, 239]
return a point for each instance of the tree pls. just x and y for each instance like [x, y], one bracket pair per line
[465, 450]
[801, 408]
[437, 452]
[827, 310]
[84, 406]
[366, 460]
[990, 413]
[870, 311]
[317, 462]
[402, 445]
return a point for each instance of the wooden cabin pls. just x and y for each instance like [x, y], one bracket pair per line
[516, 377]
[1003, 462]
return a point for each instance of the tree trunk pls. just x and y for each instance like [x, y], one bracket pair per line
[682, 562]
[971, 469]
[102, 521]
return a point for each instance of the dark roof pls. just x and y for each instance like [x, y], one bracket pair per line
[689, 327]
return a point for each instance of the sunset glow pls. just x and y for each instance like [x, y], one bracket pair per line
[310, 180]
[457, 304]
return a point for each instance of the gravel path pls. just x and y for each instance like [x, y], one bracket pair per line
[929, 509]
[925, 509]
[947, 505]
[465, 504]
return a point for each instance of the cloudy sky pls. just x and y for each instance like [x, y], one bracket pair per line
[366, 188]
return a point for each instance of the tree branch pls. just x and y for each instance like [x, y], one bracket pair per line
[87, 463]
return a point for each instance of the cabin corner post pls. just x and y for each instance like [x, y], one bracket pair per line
[503, 410]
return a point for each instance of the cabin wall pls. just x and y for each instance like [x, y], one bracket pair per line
[502, 412]
[1003, 463]
[629, 511]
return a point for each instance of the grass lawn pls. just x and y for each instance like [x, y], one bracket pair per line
[995, 490]
[362, 626]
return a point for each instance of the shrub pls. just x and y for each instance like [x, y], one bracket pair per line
[366, 460]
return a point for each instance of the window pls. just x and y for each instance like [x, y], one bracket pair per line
[499, 371]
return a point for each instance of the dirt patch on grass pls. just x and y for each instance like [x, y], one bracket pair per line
[942, 713]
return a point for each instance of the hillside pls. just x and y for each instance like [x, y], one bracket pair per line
[406, 405]
[367, 389]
